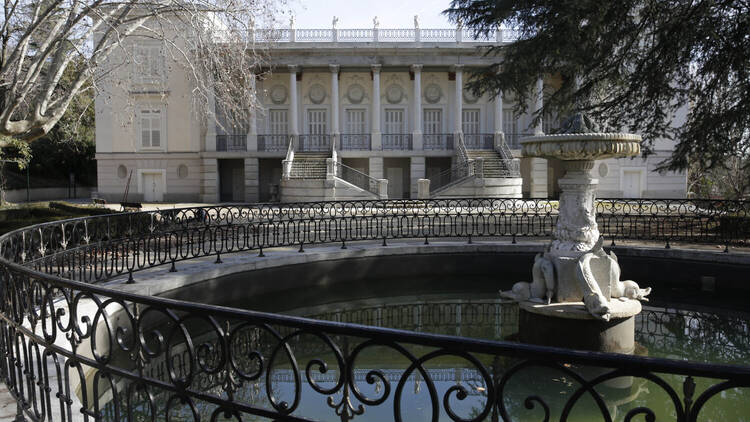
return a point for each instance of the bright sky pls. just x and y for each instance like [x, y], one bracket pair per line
[359, 13]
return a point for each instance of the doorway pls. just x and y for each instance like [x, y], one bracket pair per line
[232, 180]
[153, 186]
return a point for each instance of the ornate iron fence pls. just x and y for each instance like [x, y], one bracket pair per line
[70, 347]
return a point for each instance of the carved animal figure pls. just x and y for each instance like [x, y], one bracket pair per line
[542, 286]
[593, 299]
[626, 289]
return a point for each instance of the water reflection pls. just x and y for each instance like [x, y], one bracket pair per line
[381, 376]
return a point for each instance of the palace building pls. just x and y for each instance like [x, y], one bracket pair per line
[346, 114]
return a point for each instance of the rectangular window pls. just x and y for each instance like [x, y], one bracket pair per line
[317, 122]
[278, 122]
[355, 121]
[394, 121]
[151, 124]
[433, 121]
[148, 64]
[470, 121]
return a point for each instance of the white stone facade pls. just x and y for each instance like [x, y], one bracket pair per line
[391, 102]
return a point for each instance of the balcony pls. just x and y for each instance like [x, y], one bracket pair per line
[437, 141]
[475, 141]
[314, 143]
[513, 140]
[273, 142]
[356, 142]
[397, 141]
[231, 142]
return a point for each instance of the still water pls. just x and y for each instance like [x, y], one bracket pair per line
[471, 308]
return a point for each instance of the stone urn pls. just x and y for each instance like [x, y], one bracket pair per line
[576, 298]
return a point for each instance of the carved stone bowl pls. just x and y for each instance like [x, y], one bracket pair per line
[582, 146]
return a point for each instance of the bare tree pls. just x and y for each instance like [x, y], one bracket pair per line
[213, 40]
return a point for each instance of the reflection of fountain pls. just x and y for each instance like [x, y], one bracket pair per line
[570, 300]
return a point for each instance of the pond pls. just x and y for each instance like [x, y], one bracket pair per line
[468, 307]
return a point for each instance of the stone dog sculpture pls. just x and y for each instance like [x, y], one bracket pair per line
[542, 286]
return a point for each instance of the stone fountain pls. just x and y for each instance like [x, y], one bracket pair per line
[576, 298]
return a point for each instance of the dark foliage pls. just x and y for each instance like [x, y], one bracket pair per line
[630, 64]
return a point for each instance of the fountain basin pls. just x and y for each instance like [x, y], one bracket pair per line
[582, 146]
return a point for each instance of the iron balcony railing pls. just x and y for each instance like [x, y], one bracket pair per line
[314, 143]
[273, 142]
[357, 178]
[437, 141]
[514, 139]
[231, 142]
[397, 141]
[479, 141]
[356, 141]
[71, 345]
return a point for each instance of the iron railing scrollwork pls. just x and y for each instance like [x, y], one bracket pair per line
[71, 346]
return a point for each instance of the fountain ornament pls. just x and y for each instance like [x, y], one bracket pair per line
[575, 279]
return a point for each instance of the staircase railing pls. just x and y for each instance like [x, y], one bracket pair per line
[455, 174]
[511, 167]
[286, 167]
[357, 178]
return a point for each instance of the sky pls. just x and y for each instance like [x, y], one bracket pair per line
[359, 13]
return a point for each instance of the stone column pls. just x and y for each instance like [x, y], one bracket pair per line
[252, 135]
[209, 180]
[458, 104]
[499, 135]
[252, 180]
[417, 172]
[210, 140]
[417, 104]
[335, 129]
[376, 167]
[576, 230]
[423, 189]
[538, 105]
[376, 137]
[293, 107]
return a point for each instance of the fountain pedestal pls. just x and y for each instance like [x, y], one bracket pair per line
[576, 298]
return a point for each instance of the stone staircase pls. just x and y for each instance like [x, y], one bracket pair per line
[309, 165]
[493, 164]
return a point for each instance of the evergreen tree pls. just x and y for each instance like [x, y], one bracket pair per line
[629, 64]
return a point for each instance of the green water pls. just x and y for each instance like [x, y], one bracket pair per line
[471, 308]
